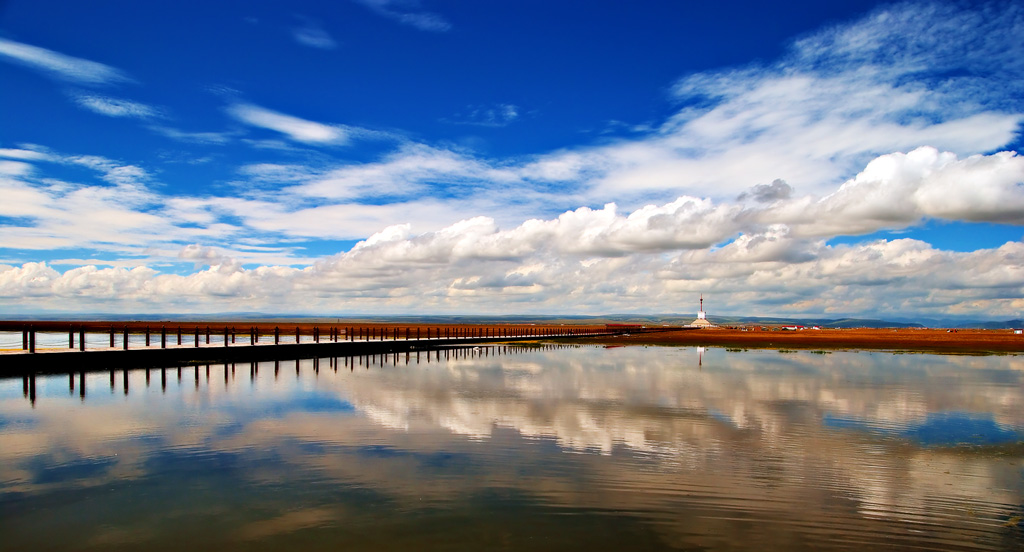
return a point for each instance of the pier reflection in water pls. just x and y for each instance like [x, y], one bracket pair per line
[522, 448]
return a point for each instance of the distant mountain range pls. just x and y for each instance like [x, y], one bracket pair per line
[651, 319]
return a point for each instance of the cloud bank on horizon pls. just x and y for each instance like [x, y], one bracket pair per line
[869, 169]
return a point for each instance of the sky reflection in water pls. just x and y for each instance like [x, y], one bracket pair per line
[547, 448]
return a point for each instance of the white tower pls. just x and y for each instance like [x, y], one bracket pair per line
[702, 317]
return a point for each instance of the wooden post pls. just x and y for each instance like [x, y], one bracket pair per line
[71, 344]
[124, 345]
[163, 337]
[24, 340]
[298, 338]
[196, 332]
[207, 335]
[277, 335]
[111, 337]
[232, 334]
[226, 342]
[179, 335]
[147, 335]
[32, 344]
[81, 339]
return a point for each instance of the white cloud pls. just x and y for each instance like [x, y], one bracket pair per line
[295, 128]
[61, 66]
[407, 12]
[764, 249]
[115, 107]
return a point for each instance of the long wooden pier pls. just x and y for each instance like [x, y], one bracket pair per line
[193, 343]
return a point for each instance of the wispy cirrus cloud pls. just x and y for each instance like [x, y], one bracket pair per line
[498, 115]
[61, 66]
[115, 107]
[193, 137]
[295, 128]
[414, 169]
[23, 153]
[312, 35]
[408, 12]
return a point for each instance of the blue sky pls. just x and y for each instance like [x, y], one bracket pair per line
[388, 156]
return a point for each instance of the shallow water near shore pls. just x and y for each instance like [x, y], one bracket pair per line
[510, 448]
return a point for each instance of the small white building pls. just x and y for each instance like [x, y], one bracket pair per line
[702, 317]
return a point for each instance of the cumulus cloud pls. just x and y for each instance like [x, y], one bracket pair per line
[900, 189]
[61, 66]
[203, 256]
[446, 272]
[766, 193]
[297, 129]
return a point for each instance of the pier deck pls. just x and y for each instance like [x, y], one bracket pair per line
[142, 346]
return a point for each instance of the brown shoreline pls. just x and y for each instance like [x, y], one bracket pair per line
[966, 341]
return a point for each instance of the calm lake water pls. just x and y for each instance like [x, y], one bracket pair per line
[553, 448]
